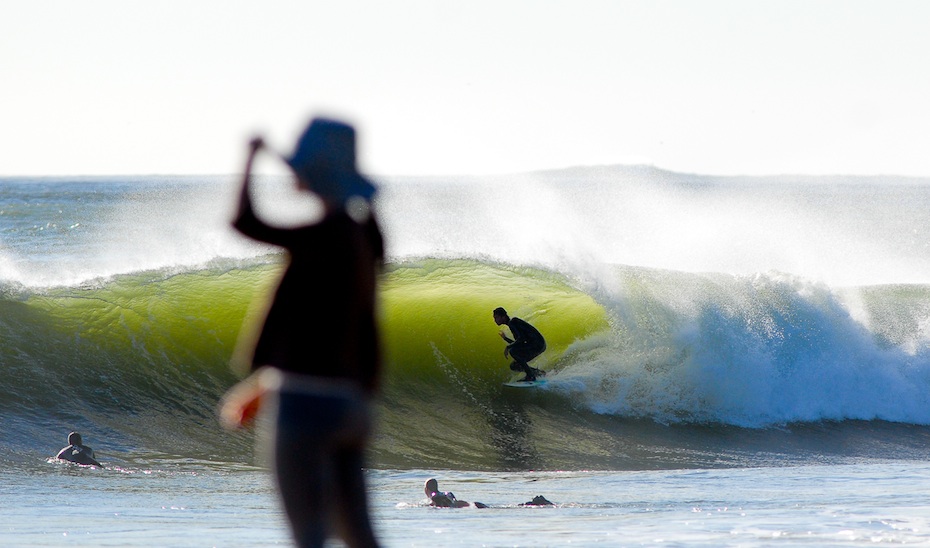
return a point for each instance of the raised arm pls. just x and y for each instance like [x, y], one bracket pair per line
[246, 221]
[245, 214]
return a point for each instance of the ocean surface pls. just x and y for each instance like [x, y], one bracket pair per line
[733, 361]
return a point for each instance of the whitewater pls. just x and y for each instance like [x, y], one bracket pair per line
[732, 360]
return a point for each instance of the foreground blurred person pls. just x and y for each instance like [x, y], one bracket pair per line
[316, 362]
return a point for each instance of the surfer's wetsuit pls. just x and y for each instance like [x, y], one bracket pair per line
[445, 499]
[527, 344]
[80, 454]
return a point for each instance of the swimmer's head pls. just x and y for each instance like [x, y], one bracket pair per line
[432, 486]
[74, 439]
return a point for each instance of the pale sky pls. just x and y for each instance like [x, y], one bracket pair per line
[468, 87]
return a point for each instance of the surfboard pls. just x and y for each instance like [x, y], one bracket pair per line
[526, 384]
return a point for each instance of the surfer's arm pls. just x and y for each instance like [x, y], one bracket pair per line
[506, 338]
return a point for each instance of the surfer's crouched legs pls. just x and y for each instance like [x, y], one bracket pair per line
[320, 428]
[522, 354]
[530, 372]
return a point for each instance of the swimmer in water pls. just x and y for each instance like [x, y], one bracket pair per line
[77, 452]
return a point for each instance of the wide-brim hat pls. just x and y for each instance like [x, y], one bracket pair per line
[324, 160]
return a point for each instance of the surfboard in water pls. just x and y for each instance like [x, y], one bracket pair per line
[526, 384]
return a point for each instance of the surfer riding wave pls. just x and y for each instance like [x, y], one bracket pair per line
[527, 344]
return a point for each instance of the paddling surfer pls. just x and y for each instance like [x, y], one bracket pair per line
[77, 452]
[527, 343]
[445, 499]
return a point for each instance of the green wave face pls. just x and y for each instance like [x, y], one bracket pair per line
[140, 360]
[143, 359]
[661, 372]
[438, 321]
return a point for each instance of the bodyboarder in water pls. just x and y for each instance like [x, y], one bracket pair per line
[527, 343]
[77, 452]
[445, 499]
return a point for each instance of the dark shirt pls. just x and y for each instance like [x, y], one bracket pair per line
[322, 319]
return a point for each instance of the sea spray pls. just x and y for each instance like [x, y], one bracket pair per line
[752, 351]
